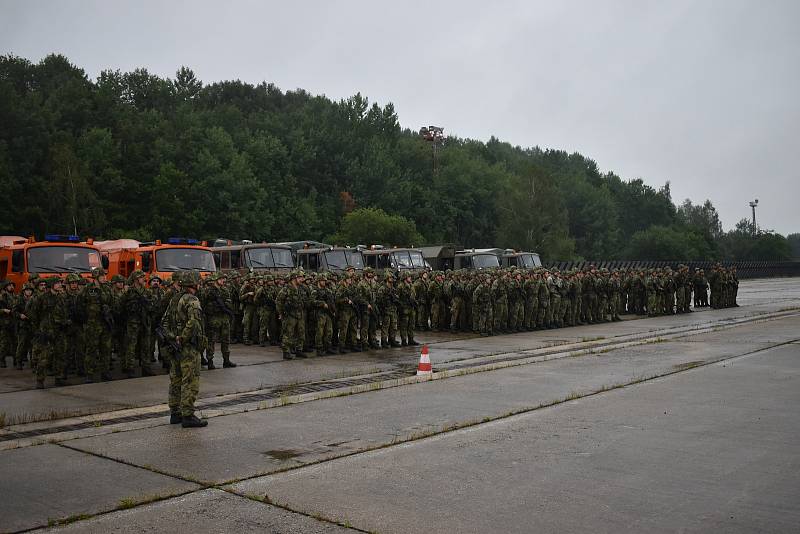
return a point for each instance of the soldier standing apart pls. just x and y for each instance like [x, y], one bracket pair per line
[183, 321]
[217, 305]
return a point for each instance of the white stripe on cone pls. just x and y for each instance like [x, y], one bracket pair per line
[425, 367]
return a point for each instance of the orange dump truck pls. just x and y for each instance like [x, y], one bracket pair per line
[157, 258]
[57, 255]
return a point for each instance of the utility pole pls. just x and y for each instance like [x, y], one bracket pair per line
[434, 134]
[753, 205]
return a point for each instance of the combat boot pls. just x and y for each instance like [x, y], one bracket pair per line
[147, 372]
[175, 418]
[394, 343]
[412, 343]
[330, 351]
[211, 365]
[192, 421]
[227, 364]
[106, 376]
[40, 384]
[59, 381]
[287, 355]
[301, 354]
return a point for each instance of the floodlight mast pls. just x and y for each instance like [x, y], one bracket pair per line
[753, 205]
[435, 135]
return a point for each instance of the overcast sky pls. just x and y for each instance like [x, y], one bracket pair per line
[703, 94]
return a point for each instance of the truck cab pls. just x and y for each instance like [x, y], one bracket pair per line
[57, 255]
[157, 258]
[254, 257]
[523, 260]
[395, 259]
[335, 259]
[478, 258]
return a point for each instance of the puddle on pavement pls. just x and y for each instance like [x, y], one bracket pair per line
[282, 454]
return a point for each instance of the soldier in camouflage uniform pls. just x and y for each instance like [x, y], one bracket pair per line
[8, 341]
[365, 293]
[118, 290]
[423, 302]
[267, 313]
[216, 303]
[24, 332]
[346, 317]
[156, 313]
[290, 311]
[183, 325]
[482, 302]
[95, 301]
[49, 318]
[388, 302]
[405, 310]
[74, 335]
[138, 305]
[247, 295]
[323, 301]
[500, 305]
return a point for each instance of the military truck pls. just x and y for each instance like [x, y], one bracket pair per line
[395, 259]
[336, 259]
[254, 257]
[440, 257]
[478, 258]
[523, 260]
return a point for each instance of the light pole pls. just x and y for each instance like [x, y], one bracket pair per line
[434, 134]
[753, 205]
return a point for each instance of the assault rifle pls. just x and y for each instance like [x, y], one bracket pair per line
[164, 338]
[224, 307]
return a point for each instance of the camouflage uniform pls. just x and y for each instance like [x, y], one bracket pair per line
[96, 303]
[24, 331]
[267, 313]
[324, 303]
[247, 299]
[482, 308]
[138, 306]
[346, 316]
[8, 341]
[405, 311]
[388, 302]
[49, 317]
[216, 303]
[290, 308]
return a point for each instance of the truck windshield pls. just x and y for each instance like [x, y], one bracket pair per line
[57, 259]
[403, 260]
[336, 260]
[417, 260]
[268, 258]
[485, 261]
[527, 261]
[184, 259]
[355, 258]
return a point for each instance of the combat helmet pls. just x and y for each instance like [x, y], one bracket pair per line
[190, 279]
[135, 275]
[97, 272]
[73, 278]
[118, 278]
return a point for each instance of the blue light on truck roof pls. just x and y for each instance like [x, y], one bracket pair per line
[182, 241]
[62, 238]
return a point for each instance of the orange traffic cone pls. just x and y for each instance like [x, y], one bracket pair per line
[425, 367]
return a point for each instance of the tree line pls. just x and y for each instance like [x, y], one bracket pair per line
[134, 155]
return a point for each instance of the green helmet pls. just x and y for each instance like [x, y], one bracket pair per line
[118, 278]
[5, 283]
[155, 277]
[52, 281]
[135, 275]
[97, 272]
[73, 278]
[190, 279]
[28, 286]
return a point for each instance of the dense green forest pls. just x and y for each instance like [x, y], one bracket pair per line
[131, 154]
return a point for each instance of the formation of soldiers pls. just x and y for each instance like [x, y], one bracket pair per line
[87, 326]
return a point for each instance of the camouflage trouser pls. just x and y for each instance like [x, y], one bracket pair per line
[236, 329]
[563, 316]
[118, 339]
[75, 348]
[602, 308]
[184, 380]
[485, 319]
[219, 331]
[456, 313]
[389, 327]
[268, 325]
[531, 305]
[616, 304]
[437, 314]
[680, 299]
[500, 314]
[324, 332]
[515, 314]
[669, 302]
[575, 310]
[137, 344]
[368, 331]
[346, 325]
[250, 324]
[49, 356]
[24, 342]
[553, 310]
[293, 335]
[8, 342]
[98, 349]
[423, 313]
[405, 325]
[651, 303]
[541, 315]
[591, 308]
